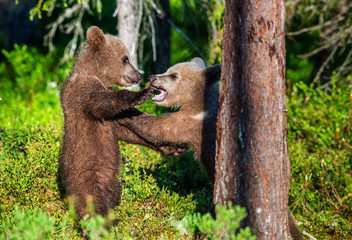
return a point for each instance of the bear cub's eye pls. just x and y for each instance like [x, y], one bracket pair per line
[174, 75]
[125, 59]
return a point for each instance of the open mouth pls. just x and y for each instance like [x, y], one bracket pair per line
[130, 80]
[159, 97]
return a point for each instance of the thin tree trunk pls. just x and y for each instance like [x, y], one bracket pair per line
[253, 166]
[127, 26]
[162, 35]
[15, 25]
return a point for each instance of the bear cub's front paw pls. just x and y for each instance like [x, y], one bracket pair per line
[173, 150]
[143, 96]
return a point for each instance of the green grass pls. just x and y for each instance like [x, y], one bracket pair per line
[159, 191]
[28, 181]
[320, 140]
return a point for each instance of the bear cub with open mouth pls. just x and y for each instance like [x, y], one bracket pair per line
[191, 87]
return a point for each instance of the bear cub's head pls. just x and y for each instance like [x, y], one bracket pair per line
[184, 82]
[106, 57]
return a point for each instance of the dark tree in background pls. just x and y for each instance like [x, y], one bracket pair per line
[15, 26]
[162, 38]
[253, 165]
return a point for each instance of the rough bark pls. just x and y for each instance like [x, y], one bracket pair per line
[253, 167]
[127, 26]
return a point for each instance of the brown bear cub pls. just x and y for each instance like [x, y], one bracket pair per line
[190, 86]
[90, 157]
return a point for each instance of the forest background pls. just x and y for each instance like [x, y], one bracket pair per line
[163, 197]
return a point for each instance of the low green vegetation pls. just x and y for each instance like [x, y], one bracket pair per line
[29, 163]
[163, 197]
[149, 209]
[320, 141]
[228, 221]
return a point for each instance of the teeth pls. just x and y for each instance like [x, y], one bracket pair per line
[160, 96]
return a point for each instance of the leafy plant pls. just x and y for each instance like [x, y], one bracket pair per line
[96, 228]
[226, 225]
[30, 83]
[31, 224]
[34, 223]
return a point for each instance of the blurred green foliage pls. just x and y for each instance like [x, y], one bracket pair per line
[195, 27]
[29, 89]
[31, 224]
[29, 72]
[299, 69]
[216, 18]
[322, 30]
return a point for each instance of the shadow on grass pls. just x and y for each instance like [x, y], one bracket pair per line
[185, 176]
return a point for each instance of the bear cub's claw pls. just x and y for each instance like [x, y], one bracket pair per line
[173, 150]
[143, 96]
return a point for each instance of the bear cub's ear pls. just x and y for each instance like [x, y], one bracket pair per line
[95, 37]
[199, 62]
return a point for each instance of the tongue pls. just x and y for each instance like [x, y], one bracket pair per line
[161, 96]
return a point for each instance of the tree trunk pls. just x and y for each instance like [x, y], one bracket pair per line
[162, 35]
[15, 25]
[252, 159]
[127, 26]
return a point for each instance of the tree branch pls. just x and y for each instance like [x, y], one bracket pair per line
[75, 26]
[188, 40]
[325, 63]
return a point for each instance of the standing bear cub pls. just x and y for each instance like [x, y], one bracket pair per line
[90, 157]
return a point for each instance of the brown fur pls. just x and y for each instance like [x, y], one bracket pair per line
[191, 87]
[90, 157]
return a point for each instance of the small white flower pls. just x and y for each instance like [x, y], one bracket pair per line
[181, 226]
[52, 84]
